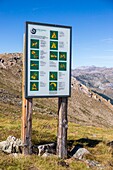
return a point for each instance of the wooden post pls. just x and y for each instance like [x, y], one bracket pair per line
[29, 126]
[26, 126]
[26, 115]
[62, 128]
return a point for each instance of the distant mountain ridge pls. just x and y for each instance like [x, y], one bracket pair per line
[99, 79]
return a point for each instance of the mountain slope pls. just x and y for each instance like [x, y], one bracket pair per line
[99, 79]
[88, 107]
[85, 106]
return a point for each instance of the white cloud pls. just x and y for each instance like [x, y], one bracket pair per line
[103, 58]
[107, 40]
[36, 9]
[110, 50]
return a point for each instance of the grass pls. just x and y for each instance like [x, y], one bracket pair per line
[44, 129]
[38, 163]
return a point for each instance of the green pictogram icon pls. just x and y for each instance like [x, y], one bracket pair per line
[34, 75]
[34, 86]
[53, 86]
[34, 43]
[53, 45]
[62, 66]
[54, 35]
[53, 55]
[53, 76]
[34, 54]
[34, 65]
[62, 56]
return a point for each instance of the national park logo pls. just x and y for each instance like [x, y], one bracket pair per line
[33, 31]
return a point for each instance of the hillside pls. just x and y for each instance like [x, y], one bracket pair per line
[99, 79]
[90, 123]
[85, 106]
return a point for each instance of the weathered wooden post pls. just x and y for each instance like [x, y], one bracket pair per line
[27, 126]
[62, 128]
[26, 115]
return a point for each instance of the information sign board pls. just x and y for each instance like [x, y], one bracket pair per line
[48, 60]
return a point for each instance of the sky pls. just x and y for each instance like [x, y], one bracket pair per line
[91, 21]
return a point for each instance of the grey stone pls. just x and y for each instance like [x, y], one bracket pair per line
[46, 154]
[11, 145]
[2, 66]
[50, 148]
[93, 163]
[2, 145]
[79, 154]
[41, 150]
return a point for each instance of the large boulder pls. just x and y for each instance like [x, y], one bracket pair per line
[79, 154]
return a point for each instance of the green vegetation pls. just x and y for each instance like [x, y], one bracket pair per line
[44, 130]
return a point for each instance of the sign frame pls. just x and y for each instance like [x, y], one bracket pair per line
[26, 59]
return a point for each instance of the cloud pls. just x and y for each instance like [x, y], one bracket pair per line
[107, 40]
[40, 8]
[87, 48]
[36, 9]
[111, 50]
[103, 57]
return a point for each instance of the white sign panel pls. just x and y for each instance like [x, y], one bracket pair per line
[48, 60]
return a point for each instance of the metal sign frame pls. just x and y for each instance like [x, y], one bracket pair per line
[29, 60]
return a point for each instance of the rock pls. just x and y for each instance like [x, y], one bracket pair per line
[9, 148]
[46, 154]
[20, 103]
[41, 150]
[50, 148]
[93, 163]
[11, 145]
[79, 154]
[16, 58]
[2, 145]
[1, 60]
[2, 66]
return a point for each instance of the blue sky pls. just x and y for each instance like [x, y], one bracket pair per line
[91, 21]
